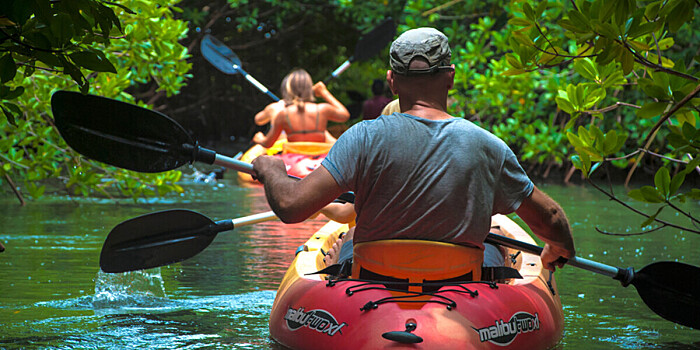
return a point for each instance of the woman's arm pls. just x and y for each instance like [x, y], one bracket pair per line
[263, 117]
[276, 128]
[340, 212]
[333, 110]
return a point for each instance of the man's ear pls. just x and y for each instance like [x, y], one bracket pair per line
[390, 81]
[452, 78]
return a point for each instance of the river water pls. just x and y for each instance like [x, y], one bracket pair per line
[53, 295]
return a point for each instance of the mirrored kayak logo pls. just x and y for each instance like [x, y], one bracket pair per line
[503, 333]
[319, 320]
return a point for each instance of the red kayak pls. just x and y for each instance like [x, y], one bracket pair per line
[416, 304]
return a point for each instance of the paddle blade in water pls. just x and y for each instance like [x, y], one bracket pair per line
[672, 290]
[121, 134]
[219, 55]
[157, 239]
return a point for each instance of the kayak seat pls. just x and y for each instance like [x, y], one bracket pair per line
[416, 261]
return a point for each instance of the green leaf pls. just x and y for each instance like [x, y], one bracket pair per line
[642, 29]
[47, 58]
[651, 195]
[680, 14]
[586, 69]
[513, 61]
[565, 104]
[523, 39]
[62, 29]
[95, 61]
[576, 161]
[653, 89]
[676, 183]
[666, 43]
[529, 13]
[636, 194]
[518, 21]
[652, 218]
[638, 46]
[9, 116]
[14, 93]
[610, 143]
[586, 160]
[662, 180]
[652, 10]
[652, 109]
[627, 62]
[574, 140]
[606, 10]
[579, 20]
[8, 68]
[513, 72]
[685, 116]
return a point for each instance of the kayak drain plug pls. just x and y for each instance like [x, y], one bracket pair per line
[405, 337]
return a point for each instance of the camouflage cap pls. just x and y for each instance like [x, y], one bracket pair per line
[428, 43]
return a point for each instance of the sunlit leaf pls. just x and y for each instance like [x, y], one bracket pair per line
[587, 69]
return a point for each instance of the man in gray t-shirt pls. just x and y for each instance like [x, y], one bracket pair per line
[422, 173]
[443, 183]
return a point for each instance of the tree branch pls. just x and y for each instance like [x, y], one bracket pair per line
[665, 223]
[629, 234]
[656, 127]
[14, 189]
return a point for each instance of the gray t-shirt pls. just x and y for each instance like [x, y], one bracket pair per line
[415, 178]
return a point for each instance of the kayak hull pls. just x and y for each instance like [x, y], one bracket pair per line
[309, 312]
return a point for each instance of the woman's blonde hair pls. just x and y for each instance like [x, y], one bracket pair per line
[297, 88]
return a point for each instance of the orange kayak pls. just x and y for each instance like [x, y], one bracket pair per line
[313, 311]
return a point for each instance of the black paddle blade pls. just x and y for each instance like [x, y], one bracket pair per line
[220, 55]
[371, 43]
[157, 239]
[672, 290]
[121, 134]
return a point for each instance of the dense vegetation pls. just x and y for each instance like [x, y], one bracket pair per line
[96, 47]
[598, 85]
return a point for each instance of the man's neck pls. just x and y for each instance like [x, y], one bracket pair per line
[425, 109]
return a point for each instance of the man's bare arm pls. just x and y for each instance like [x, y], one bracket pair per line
[295, 200]
[548, 221]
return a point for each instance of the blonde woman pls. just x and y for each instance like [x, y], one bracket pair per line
[297, 114]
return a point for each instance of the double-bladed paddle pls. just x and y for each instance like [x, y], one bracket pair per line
[225, 60]
[369, 45]
[132, 137]
[163, 238]
[669, 288]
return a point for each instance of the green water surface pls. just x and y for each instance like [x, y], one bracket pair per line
[53, 296]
